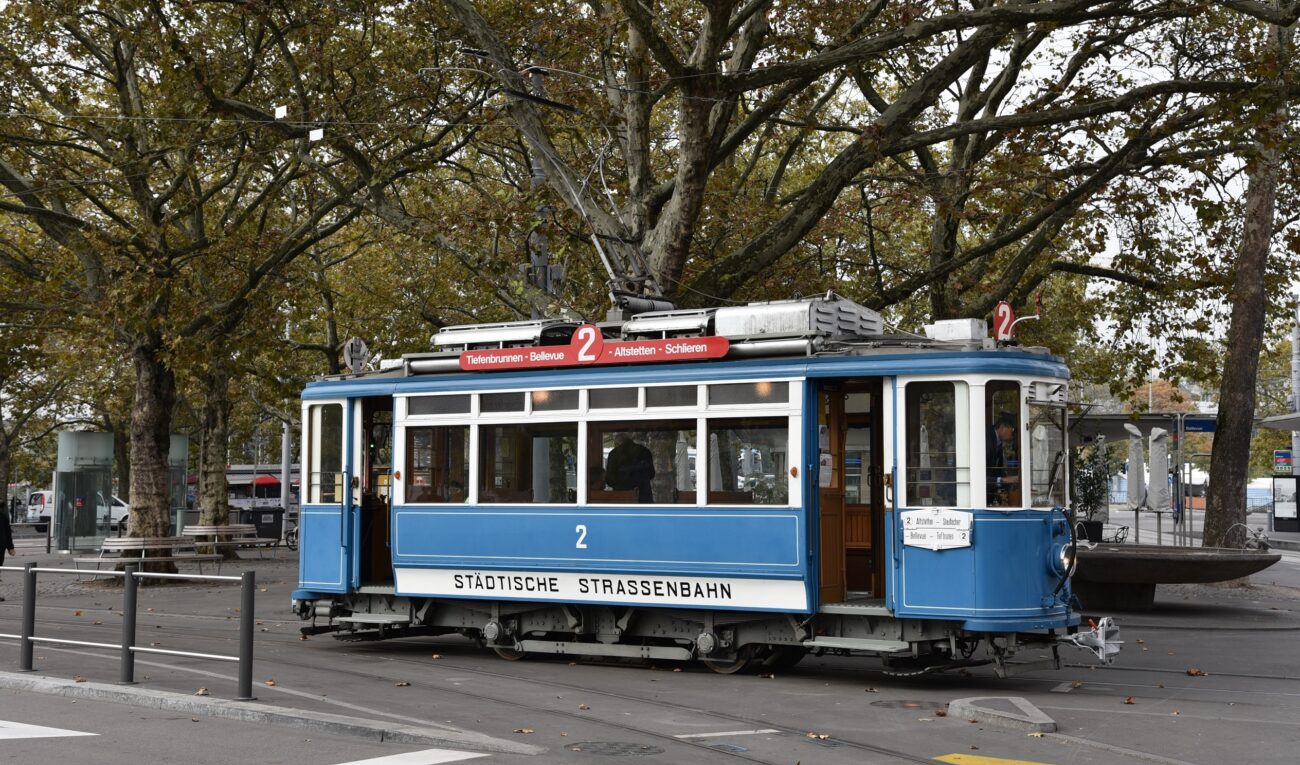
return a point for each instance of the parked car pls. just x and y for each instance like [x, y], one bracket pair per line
[39, 506]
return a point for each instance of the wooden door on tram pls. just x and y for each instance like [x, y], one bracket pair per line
[863, 488]
[830, 445]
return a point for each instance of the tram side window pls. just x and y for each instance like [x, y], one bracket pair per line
[528, 463]
[648, 463]
[1047, 455]
[437, 468]
[935, 475]
[748, 460]
[1002, 443]
[325, 482]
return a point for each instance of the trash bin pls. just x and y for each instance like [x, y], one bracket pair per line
[269, 521]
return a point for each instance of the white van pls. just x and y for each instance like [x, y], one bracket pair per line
[40, 505]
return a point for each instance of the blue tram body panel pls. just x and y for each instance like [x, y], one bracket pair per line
[322, 563]
[1002, 582]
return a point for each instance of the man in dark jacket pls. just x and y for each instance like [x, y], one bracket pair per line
[6, 539]
[630, 467]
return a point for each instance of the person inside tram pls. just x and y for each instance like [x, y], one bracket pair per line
[1002, 462]
[595, 479]
[630, 466]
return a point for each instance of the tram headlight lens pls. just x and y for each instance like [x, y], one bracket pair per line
[1063, 559]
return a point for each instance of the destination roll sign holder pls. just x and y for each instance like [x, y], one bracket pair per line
[588, 348]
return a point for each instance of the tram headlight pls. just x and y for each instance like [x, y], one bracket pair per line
[1063, 558]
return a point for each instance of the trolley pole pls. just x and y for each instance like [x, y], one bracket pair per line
[130, 586]
[248, 586]
[29, 618]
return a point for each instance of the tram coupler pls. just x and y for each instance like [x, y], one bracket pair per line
[1102, 639]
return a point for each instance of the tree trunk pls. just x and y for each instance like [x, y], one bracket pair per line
[151, 418]
[214, 498]
[1225, 499]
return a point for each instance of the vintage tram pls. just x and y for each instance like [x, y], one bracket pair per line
[738, 485]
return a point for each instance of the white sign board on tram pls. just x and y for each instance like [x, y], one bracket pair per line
[936, 529]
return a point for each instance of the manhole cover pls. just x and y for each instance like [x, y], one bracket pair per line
[729, 748]
[614, 748]
[907, 704]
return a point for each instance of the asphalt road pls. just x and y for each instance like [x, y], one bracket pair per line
[1209, 676]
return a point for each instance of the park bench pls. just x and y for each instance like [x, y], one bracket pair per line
[119, 550]
[235, 535]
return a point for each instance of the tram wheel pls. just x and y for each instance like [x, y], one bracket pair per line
[509, 654]
[729, 666]
[785, 656]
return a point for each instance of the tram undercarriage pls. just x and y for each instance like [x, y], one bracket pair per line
[724, 641]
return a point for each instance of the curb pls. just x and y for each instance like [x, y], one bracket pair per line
[1004, 711]
[1284, 544]
[247, 711]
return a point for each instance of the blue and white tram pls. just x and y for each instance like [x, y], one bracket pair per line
[738, 485]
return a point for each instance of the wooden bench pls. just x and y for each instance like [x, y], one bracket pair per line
[230, 535]
[121, 550]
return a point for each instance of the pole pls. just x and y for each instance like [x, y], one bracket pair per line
[130, 589]
[29, 618]
[1295, 380]
[248, 585]
[286, 446]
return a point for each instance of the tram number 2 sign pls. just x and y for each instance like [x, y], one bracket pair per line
[1004, 320]
[936, 529]
[589, 347]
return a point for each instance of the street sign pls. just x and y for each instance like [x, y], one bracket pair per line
[355, 354]
[1282, 464]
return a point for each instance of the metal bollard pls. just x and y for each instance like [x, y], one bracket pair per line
[131, 586]
[29, 618]
[248, 586]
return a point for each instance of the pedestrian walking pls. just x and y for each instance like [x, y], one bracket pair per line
[6, 540]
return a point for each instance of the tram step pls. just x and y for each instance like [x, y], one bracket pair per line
[379, 619]
[606, 649]
[858, 644]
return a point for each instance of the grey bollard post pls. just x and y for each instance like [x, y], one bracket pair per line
[29, 618]
[131, 586]
[248, 585]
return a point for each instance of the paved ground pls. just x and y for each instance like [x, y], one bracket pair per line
[1212, 675]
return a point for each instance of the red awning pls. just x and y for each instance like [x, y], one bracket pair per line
[264, 480]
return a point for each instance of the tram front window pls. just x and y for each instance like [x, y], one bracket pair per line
[748, 461]
[1002, 443]
[650, 463]
[1047, 455]
[937, 467]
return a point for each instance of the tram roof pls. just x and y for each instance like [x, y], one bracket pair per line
[872, 362]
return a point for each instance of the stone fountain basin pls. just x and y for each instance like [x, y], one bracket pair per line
[1150, 564]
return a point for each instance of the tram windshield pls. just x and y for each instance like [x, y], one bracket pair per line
[1002, 443]
[1047, 455]
[937, 473]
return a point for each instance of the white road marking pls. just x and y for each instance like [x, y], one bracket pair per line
[12, 730]
[424, 757]
[1065, 687]
[727, 733]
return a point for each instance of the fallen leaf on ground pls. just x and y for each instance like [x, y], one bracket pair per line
[402, 684]
[76, 613]
[523, 730]
[1130, 700]
[1077, 684]
[818, 736]
[97, 622]
[1036, 734]
[79, 680]
[194, 719]
[271, 683]
[870, 690]
[940, 713]
[583, 706]
[201, 692]
[436, 656]
[767, 676]
[1141, 641]
[1194, 672]
[303, 637]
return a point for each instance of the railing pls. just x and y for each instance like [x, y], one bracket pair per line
[128, 648]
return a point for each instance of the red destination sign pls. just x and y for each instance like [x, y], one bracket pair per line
[588, 347]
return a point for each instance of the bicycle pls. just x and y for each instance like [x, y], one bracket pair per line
[291, 538]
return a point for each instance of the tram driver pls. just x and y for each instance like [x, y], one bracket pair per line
[630, 466]
[1002, 462]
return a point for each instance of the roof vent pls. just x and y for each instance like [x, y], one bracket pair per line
[510, 334]
[660, 324]
[827, 316]
[958, 330]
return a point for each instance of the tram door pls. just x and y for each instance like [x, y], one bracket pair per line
[830, 492]
[372, 495]
[850, 490]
